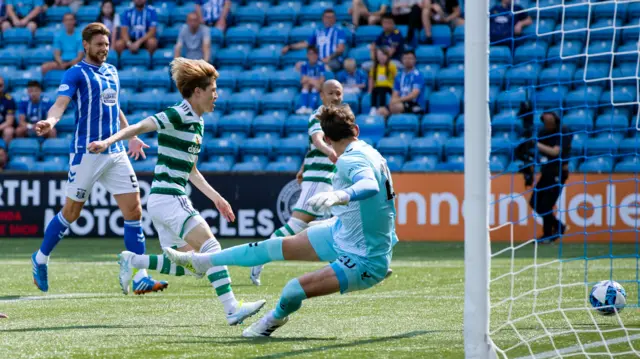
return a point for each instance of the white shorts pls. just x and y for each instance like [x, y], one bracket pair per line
[173, 217]
[308, 190]
[112, 170]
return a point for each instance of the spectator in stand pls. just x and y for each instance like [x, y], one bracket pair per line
[23, 13]
[352, 78]
[507, 22]
[409, 12]
[194, 39]
[312, 78]
[390, 40]
[7, 114]
[407, 88]
[110, 19]
[381, 80]
[138, 28]
[330, 41]
[31, 109]
[440, 12]
[214, 13]
[67, 46]
[3, 16]
[73, 4]
[368, 12]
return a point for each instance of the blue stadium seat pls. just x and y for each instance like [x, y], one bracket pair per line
[625, 75]
[425, 146]
[394, 162]
[371, 127]
[430, 73]
[278, 101]
[342, 13]
[247, 100]
[156, 79]
[451, 76]
[612, 122]
[248, 167]
[147, 100]
[55, 14]
[266, 124]
[169, 99]
[550, 97]
[497, 75]
[232, 56]
[367, 34]
[621, 95]
[164, 10]
[627, 53]
[282, 167]
[141, 58]
[45, 35]
[526, 75]
[147, 165]
[597, 165]
[459, 125]
[507, 121]
[87, 13]
[561, 74]
[211, 122]
[407, 124]
[235, 123]
[423, 164]
[539, 30]
[571, 29]
[17, 36]
[313, 12]
[608, 10]
[256, 149]
[430, 55]
[268, 55]
[353, 100]
[48, 166]
[300, 33]
[393, 146]
[221, 147]
[113, 58]
[12, 56]
[274, 34]
[444, 102]
[129, 78]
[628, 165]
[67, 123]
[501, 150]
[285, 78]
[256, 79]
[53, 78]
[458, 35]
[605, 29]
[497, 55]
[25, 147]
[437, 123]
[292, 57]
[292, 147]
[296, 124]
[454, 147]
[218, 166]
[567, 52]
[167, 35]
[227, 79]
[630, 35]
[583, 96]
[629, 146]
[253, 13]
[440, 34]
[455, 55]
[38, 56]
[179, 13]
[600, 50]
[361, 54]
[243, 34]
[285, 12]
[55, 147]
[530, 52]
[597, 147]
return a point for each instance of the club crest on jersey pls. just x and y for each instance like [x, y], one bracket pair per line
[109, 97]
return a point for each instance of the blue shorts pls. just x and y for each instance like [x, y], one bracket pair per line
[354, 272]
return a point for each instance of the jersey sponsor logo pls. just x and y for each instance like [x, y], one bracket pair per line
[63, 87]
[109, 97]
[287, 198]
[194, 149]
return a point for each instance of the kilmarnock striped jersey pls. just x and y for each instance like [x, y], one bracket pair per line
[180, 133]
[94, 90]
[317, 166]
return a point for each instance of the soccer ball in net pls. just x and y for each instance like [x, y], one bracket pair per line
[607, 297]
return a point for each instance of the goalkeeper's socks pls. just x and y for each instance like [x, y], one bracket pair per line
[290, 300]
[134, 240]
[246, 255]
[159, 263]
[52, 235]
[219, 278]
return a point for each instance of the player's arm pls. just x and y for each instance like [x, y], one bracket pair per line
[32, 14]
[318, 140]
[53, 116]
[136, 145]
[144, 126]
[364, 186]
[198, 180]
[548, 150]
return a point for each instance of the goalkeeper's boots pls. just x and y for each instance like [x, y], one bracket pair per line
[389, 273]
[244, 311]
[40, 274]
[148, 285]
[264, 327]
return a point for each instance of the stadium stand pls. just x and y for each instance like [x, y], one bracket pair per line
[254, 127]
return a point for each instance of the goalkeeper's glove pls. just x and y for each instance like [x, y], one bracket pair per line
[321, 202]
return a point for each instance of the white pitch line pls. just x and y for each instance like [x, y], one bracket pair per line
[577, 348]
[60, 296]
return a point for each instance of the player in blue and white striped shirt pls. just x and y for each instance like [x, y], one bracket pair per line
[93, 86]
[138, 28]
[214, 13]
[330, 41]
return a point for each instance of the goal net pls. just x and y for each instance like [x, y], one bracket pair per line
[577, 59]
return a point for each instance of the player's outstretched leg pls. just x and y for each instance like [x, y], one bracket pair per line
[129, 262]
[40, 260]
[292, 227]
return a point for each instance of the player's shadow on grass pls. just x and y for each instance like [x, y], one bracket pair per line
[355, 343]
[86, 327]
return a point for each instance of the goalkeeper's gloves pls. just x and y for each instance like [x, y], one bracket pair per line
[321, 202]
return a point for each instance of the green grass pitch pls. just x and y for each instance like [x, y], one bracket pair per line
[417, 313]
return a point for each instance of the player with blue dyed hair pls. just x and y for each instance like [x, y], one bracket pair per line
[358, 242]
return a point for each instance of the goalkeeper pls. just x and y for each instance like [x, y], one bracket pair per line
[358, 243]
[553, 147]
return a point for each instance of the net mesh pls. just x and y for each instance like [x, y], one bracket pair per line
[579, 60]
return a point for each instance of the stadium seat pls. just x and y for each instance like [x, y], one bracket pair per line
[17, 36]
[612, 122]
[394, 162]
[511, 99]
[141, 58]
[179, 13]
[440, 34]
[243, 34]
[423, 164]
[146, 165]
[598, 147]
[266, 124]
[597, 165]
[268, 55]
[25, 147]
[292, 147]
[286, 12]
[372, 127]
[592, 71]
[353, 100]
[458, 35]
[232, 56]
[285, 78]
[282, 167]
[620, 95]
[156, 79]
[53, 147]
[507, 121]
[451, 76]
[21, 163]
[221, 147]
[12, 56]
[274, 34]
[454, 147]
[600, 50]
[293, 57]
[429, 72]
[403, 123]
[45, 35]
[248, 167]
[147, 100]
[444, 102]
[38, 56]
[437, 123]
[55, 14]
[235, 123]
[255, 149]
[169, 99]
[523, 75]
[497, 55]
[218, 166]
[628, 165]
[278, 101]
[455, 55]
[550, 97]
[296, 124]
[425, 146]
[313, 12]
[584, 96]
[246, 100]
[393, 146]
[429, 55]
[367, 34]
[361, 54]
[167, 35]
[561, 74]
[629, 146]
[253, 13]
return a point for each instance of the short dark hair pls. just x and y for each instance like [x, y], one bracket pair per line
[34, 83]
[409, 52]
[337, 122]
[312, 48]
[387, 16]
[328, 11]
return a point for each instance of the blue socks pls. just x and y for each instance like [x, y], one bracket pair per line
[249, 255]
[304, 98]
[53, 233]
[134, 237]
[315, 98]
[291, 299]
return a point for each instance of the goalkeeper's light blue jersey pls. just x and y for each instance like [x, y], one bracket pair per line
[367, 227]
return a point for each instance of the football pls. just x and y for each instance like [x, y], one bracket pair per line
[607, 297]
